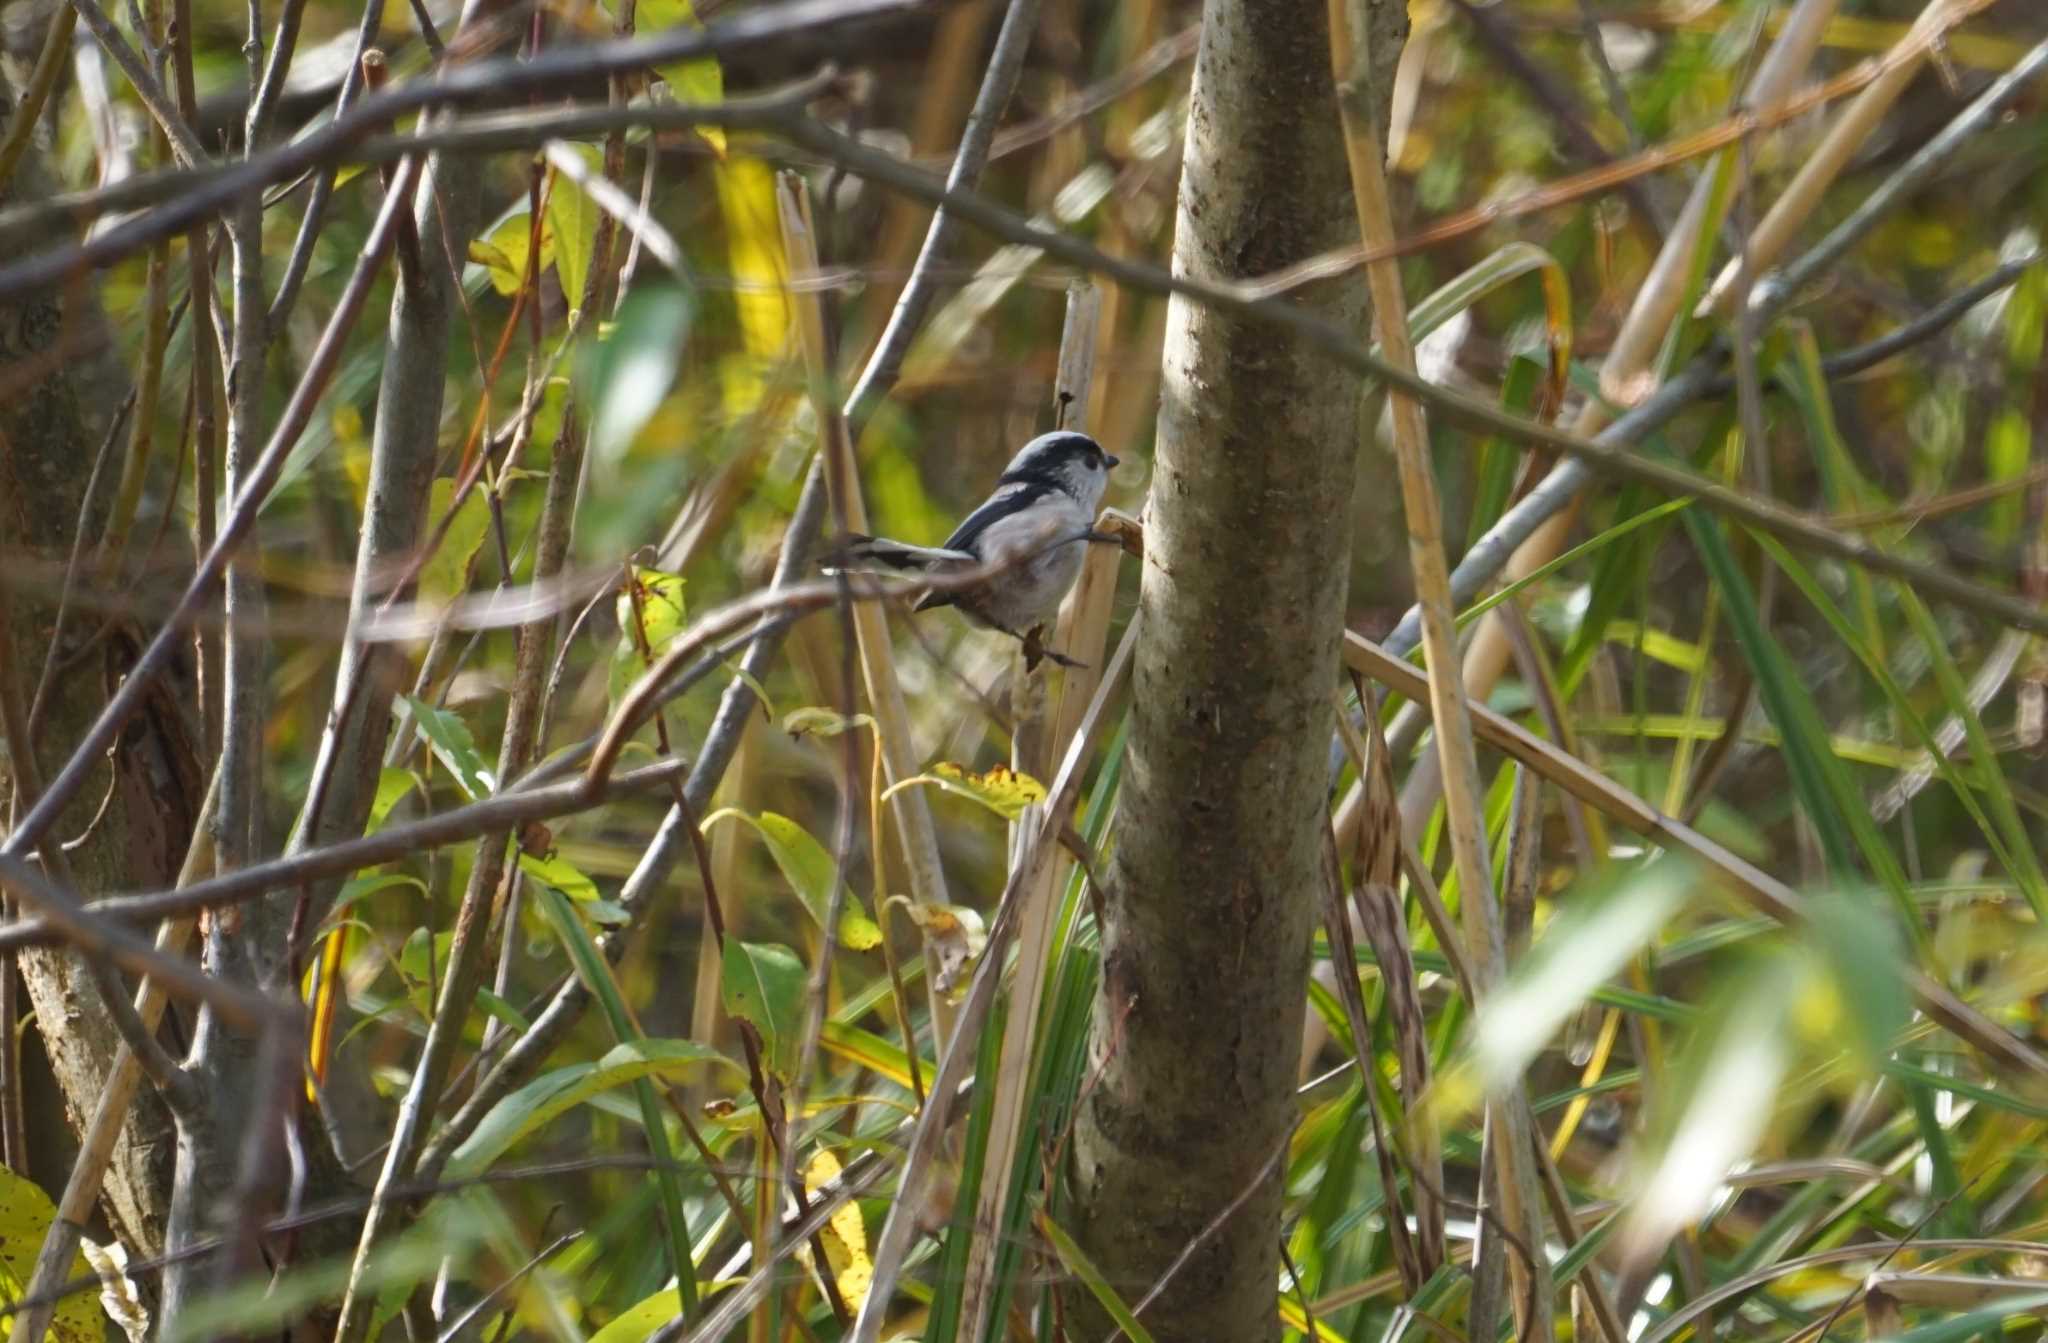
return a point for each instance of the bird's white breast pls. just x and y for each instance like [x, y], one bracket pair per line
[1030, 593]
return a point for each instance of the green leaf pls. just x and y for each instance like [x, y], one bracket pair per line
[560, 874]
[369, 883]
[446, 575]
[392, 786]
[695, 81]
[817, 721]
[633, 366]
[1733, 1073]
[25, 1216]
[1839, 814]
[1490, 273]
[764, 984]
[449, 737]
[503, 1011]
[573, 217]
[637, 1323]
[1803, 578]
[502, 251]
[656, 606]
[2018, 849]
[1594, 936]
[1499, 461]
[753, 683]
[2007, 447]
[809, 870]
[871, 1051]
[1976, 1323]
[1082, 1267]
[1594, 546]
[606, 913]
[1863, 958]
[422, 964]
[259, 1306]
[552, 1094]
[651, 613]
[596, 973]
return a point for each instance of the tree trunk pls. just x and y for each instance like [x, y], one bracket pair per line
[62, 385]
[1214, 890]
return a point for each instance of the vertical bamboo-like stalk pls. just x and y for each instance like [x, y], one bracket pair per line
[1627, 374]
[1083, 635]
[1351, 61]
[914, 828]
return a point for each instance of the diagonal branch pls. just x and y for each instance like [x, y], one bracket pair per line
[263, 476]
[183, 141]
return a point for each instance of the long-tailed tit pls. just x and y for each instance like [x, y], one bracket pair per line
[1044, 503]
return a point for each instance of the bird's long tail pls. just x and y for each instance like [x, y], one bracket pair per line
[868, 552]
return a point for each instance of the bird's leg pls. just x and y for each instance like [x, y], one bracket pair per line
[1035, 650]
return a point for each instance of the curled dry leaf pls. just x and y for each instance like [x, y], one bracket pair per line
[1376, 897]
[957, 932]
[118, 1294]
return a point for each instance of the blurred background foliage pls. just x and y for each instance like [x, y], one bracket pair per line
[1671, 1052]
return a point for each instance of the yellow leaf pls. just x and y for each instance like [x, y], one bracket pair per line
[572, 216]
[502, 252]
[1001, 789]
[484, 254]
[845, 1238]
[446, 575]
[698, 81]
[25, 1216]
[753, 240]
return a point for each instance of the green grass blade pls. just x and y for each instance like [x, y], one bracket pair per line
[596, 973]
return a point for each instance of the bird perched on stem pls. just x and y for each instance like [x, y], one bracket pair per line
[1030, 529]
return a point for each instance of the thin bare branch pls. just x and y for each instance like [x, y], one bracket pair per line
[183, 141]
[262, 477]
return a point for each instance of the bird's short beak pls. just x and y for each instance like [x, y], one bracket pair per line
[1110, 459]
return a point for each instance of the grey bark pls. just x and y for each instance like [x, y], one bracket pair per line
[51, 425]
[1247, 542]
[403, 447]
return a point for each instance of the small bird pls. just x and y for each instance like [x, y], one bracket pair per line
[1045, 500]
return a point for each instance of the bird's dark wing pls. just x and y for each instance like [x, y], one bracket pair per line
[1008, 499]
